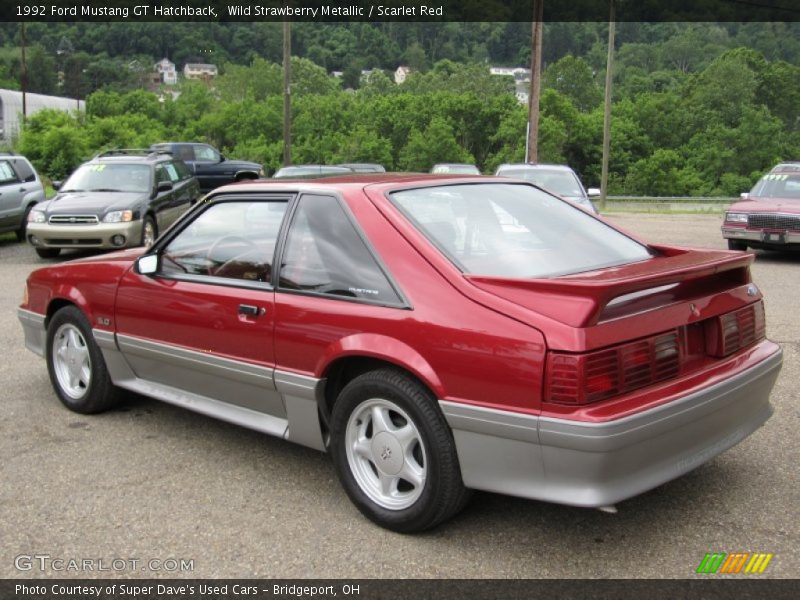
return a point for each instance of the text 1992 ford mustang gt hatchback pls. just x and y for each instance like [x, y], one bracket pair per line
[436, 334]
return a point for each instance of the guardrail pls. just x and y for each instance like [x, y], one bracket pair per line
[699, 204]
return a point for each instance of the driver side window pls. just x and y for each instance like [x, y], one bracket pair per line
[230, 240]
[206, 154]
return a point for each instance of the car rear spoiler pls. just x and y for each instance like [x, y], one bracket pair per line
[583, 300]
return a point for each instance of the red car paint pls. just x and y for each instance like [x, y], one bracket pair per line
[476, 340]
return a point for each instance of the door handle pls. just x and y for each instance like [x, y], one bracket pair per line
[251, 311]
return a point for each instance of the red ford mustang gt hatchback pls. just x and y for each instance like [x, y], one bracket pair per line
[435, 334]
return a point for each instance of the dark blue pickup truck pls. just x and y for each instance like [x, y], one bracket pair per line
[210, 167]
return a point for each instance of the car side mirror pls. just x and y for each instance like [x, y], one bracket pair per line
[164, 186]
[593, 193]
[56, 184]
[147, 264]
[744, 195]
[221, 158]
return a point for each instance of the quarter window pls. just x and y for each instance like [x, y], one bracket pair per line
[232, 240]
[326, 255]
[24, 170]
[7, 174]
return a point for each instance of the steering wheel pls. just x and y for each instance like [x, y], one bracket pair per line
[250, 246]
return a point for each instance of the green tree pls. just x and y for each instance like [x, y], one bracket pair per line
[572, 77]
[436, 144]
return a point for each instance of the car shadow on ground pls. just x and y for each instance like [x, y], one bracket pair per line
[776, 257]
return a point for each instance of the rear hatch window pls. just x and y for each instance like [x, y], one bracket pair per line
[514, 230]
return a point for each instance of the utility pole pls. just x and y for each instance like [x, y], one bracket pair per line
[24, 79]
[532, 143]
[607, 107]
[287, 94]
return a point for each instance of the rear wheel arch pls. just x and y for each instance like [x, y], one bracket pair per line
[343, 370]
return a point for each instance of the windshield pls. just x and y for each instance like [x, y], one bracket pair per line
[514, 230]
[109, 178]
[778, 185]
[561, 182]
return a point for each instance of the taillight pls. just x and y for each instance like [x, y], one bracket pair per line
[595, 376]
[735, 330]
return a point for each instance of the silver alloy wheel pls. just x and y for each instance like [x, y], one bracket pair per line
[386, 454]
[71, 361]
[149, 235]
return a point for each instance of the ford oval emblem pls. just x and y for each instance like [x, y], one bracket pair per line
[752, 290]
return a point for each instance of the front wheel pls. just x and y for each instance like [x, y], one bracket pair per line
[76, 366]
[394, 452]
[149, 231]
[23, 228]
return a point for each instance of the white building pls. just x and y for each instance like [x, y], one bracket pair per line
[199, 71]
[401, 74]
[166, 68]
[11, 109]
[518, 73]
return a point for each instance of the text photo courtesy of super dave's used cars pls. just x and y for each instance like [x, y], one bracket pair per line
[434, 334]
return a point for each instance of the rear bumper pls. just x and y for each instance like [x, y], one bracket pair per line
[757, 236]
[596, 464]
[44, 235]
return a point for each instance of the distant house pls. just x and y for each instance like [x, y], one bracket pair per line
[199, 71]
[11, 109]
[166, 69]
[401, 73]
[518, 73]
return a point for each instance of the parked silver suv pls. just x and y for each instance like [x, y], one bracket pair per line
[20, 189]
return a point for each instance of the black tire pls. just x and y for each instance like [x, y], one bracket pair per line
[23, 227]
[148, 222]
[48, 252]
[70, 345]
[441, 494]
[734, 245]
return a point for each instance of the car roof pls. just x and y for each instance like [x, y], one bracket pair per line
[535, 166]
[131, 156]
[381, 182]
[373, 167]
[786, 167]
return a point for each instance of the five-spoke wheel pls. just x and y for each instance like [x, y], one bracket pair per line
[386, 453]
[394, 452]
[71, 361]
[75, 363]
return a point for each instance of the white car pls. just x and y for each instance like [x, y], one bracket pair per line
[558, 179]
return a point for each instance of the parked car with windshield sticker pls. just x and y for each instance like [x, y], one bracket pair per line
[767, 217]
[118, 199]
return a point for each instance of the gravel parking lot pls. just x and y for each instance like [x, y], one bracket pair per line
[153, 482]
